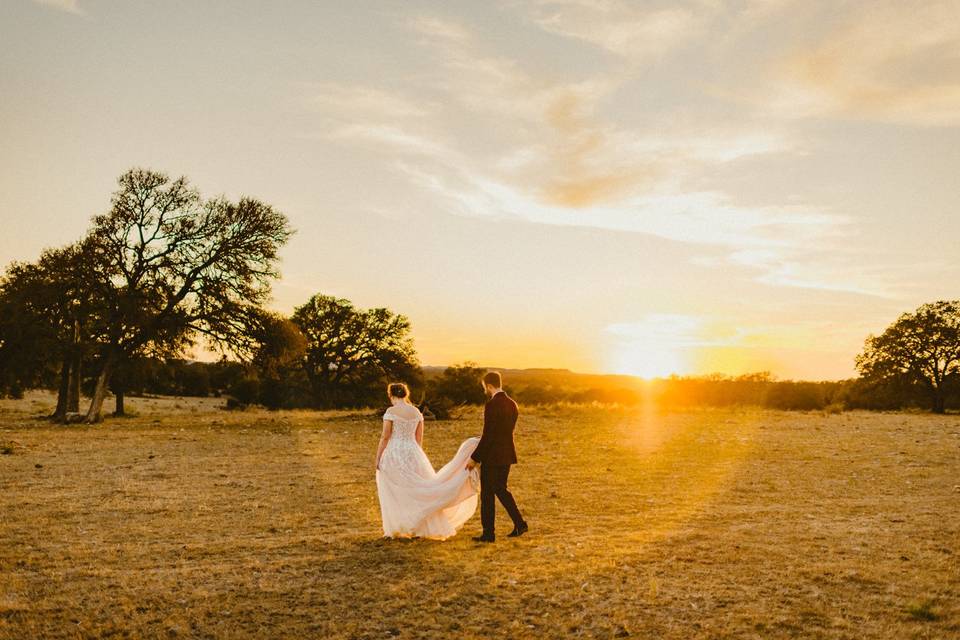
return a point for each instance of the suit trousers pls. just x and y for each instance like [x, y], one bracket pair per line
[493, 484]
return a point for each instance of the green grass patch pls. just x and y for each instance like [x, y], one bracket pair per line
[923, 611]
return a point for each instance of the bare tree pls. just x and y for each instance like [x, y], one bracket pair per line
[172, 267]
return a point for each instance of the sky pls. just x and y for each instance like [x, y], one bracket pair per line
[628, 187]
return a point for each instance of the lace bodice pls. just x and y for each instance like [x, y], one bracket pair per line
[403, 428]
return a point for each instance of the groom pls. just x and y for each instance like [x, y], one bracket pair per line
[495, 453]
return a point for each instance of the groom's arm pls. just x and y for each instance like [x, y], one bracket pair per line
[477, 454]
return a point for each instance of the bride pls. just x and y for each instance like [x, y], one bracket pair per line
[415, 500]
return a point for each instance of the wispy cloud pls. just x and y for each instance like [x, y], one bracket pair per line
[344, 101]
[707, 218]
[632, 30]
[70, 6]
[822, 270]
[558, 146]
[888, 61]
[439, 28]
[678, 331]
[547, 151]
[402, 140]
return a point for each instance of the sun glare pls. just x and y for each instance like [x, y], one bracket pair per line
[649, 362]
[656, 347]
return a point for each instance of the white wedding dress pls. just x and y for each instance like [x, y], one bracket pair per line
[415, 500]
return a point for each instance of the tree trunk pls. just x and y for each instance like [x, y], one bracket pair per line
[60, 413]
[118, 411]
[68, 394]
[939, 402]
[118, 385]
[94, 413]
[73, 394]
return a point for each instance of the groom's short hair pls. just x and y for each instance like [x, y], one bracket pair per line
[493, 379]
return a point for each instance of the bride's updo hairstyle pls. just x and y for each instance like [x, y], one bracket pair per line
[398, 390]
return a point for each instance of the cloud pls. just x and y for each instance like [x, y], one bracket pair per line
[715, 143]
[547, 151]
[553, 142]
[436, 27]
[707, 218]
[579, 159]
[821, 270]
[631, 30]
[70, 6]
[677, 331]
[401, 139]
[892, 61]
[558, 146]
[784, 246]
[352, 102]
[474, 79]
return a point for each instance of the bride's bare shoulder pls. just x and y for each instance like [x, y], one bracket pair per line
[406, 412]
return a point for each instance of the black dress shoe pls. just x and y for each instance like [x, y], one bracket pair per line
[518, 531]
[483, 539]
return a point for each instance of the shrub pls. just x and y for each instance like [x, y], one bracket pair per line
[245, 391]
[834, 408]
[802, 396]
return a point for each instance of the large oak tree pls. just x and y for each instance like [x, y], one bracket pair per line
[351, 353]
[923, 346]
[172, 267]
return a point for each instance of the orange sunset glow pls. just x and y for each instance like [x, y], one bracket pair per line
[622, 187]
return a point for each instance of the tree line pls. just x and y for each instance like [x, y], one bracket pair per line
[165, 270]
[161, 269]
[913, 363]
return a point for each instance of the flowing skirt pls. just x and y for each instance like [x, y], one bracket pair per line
[415, 500]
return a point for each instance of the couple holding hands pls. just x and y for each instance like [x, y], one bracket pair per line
[418, 501]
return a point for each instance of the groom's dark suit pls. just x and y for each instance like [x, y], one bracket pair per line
[495, 452]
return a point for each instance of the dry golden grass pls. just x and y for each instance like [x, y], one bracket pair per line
[187, 521]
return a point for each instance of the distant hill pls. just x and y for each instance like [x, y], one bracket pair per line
[546, 377]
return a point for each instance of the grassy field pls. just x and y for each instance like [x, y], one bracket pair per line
[190, 521]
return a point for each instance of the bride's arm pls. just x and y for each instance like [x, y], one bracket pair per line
[420, 433]
[384, 439]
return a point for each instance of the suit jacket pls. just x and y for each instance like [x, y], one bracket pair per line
[496, 442]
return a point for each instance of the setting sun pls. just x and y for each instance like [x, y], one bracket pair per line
[486, 187]
[657, 346]
[646, 359]
[649, 362]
